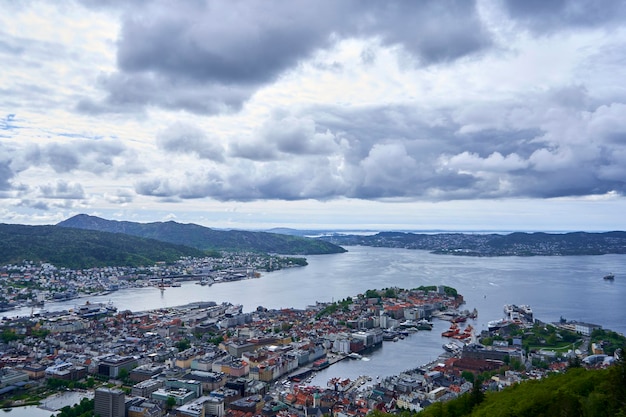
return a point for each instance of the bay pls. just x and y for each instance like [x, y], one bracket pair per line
[554, 286]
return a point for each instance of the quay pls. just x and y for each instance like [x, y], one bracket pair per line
[305, 372]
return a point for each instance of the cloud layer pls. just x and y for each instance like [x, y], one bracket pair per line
[241, 101]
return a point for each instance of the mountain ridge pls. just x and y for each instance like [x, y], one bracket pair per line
[512, 244]
[204, 238]
[75, 248]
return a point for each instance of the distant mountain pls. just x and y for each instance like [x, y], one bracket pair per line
[513, 244]
[205, 238]
[73, 248]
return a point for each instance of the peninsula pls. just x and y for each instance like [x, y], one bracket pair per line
[474, 244]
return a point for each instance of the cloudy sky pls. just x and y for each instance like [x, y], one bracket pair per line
[355, 114]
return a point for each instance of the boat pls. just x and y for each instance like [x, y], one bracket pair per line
[451, 347]
[454, 329]
[609, 277]
[467, 333]
[90, 310]
[497, 324]
[389, 335]
[424, 324]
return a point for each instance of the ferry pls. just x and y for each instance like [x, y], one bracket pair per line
[497, 324]
[95, 309]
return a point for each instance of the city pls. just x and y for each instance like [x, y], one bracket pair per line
[214, 359]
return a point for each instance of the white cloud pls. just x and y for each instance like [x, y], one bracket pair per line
[127, 107]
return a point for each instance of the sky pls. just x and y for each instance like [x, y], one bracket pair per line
[344, 114]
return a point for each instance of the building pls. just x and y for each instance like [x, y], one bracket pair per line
[147, 387]
[10, 376]
[586, 328]
[145, 372]
[35, 370]
[109, 402]
[66, 371]
[140, 407]
[112, 365]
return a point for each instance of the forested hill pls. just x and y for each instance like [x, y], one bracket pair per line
[73, 248]
[514, 244]
[205, 238]
[578, 392]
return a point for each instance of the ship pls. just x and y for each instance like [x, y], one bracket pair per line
[451, 347]
[89, 310]
[497, 324]
[466, 334]
[453, 330]
[609, 277]
[424, 324]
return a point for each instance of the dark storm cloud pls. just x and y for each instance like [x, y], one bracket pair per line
[210, 57]
[432, 31]
[131, 92]
[387, 153]
[554, 15]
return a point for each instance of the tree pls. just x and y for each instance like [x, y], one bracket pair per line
[170, 403]
[123, 374]
[468, 376]
[183, 345]
[477, 395]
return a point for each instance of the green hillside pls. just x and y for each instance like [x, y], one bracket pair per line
[205, 238]
[578, 392]
[74, 248]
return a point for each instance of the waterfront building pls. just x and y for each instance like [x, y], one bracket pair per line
[586, 328]
[109, 402]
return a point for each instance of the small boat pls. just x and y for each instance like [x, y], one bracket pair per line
[451, 347]
[424, 324]
[467, 333]
[453, 330]
[609, 277]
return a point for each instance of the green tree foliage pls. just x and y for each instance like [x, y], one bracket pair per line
[390, 293]
[610, 340]
[83, 409]
[170, 403]
[207, 239]
[9, 335]
[578, 392]
[76, 248]
[372, 294]
[184, 344]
